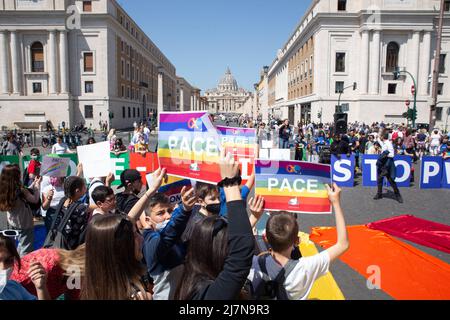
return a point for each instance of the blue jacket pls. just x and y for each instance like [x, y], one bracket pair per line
[163, 249]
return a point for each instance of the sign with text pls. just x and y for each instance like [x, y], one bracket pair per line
[54, 167]
[343, 170]
[293, 186]
[145, 164]
[435, 173]
[172, 188]
[403, 165]
[119, 163]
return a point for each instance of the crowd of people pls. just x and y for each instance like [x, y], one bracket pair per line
[134, 244]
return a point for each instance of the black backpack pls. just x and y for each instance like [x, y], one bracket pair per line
[56, 238]
[270, 289]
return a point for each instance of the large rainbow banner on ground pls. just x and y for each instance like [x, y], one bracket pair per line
[189, 146]
[293, 186]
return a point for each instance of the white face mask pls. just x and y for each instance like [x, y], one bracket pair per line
[162, 225]
[5, 275]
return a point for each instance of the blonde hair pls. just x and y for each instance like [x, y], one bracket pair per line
[70, 259]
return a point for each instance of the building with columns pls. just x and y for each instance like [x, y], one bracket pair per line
[79, 62]
[339, 42]
[227, 97]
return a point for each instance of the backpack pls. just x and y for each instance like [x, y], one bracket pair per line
[56, 238]
[270, 289]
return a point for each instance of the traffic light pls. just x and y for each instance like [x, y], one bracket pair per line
[410, 115]
[413, 90]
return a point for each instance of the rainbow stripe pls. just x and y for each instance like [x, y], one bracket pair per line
[293, 186]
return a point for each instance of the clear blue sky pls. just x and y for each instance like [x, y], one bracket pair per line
[202, 37]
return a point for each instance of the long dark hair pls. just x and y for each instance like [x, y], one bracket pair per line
[10, 184]
[206, 255]
[111, 265]
[10, 246]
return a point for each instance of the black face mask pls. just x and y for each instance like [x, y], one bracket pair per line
[213, 208]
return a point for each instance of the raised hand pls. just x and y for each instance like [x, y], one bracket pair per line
[37, 274]
[256, 206]
[110, 179]
[188, 198]
[229, 168]
[157, 179]
[334, 194]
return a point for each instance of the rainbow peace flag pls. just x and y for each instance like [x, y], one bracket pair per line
[293, 186]
[173, 188]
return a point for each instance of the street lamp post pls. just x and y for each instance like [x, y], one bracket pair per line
[397, 73]
[354, 85]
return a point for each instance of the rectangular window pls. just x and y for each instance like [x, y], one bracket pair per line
[88, 62]
[342, 5]
[340, 61]
[134, 112]
[129, 112]
[339, 86]
[123, 92]
[447, 5]
[440, 89]
[128, 71]
[37, 87]
[442, 63]
[122, 71]
[122, 46]
[392, 88]
[124, 112]
[87, 6]
[89, 87]
[88, 112]
[128, 93]
[438, 113]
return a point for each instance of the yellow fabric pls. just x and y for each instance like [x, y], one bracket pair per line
[325, 288]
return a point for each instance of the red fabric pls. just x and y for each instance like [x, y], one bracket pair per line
[420, 231]
[33, 166]
[56, 281]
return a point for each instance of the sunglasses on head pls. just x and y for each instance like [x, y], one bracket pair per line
[9, 233]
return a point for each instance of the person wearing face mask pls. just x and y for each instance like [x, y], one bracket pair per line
[130, 180]
[208, 205]
[33, 169]
[163, 250]
[12, 290]
[52, 195]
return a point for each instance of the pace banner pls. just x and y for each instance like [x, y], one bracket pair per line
[343, 170]
[189, 146]
[293, 186]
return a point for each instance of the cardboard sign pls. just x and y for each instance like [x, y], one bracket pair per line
[435, 173]
[54, 167]
[403, 166]
[189, 146]
[343, 170]
[293, 186]
[95, 159]
[172, 188]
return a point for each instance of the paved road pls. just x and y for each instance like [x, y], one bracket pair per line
[360, 209]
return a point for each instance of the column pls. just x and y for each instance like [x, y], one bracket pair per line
[160, 92]
[52, 61]
[192, 104]
[375, 64]
[415, 55]
[4, 65]
[194, 108]
[425, 64]
[364, 61]
[197, 103]
[64, 61]
[181, 99]
[15, 65]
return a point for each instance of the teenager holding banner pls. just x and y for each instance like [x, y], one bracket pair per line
[299, 275]
[220, 253]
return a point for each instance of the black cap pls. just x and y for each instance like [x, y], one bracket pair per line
[129, 176]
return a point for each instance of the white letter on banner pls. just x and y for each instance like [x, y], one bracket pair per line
[211, 148]
[285, 185]
[346, 172]
[296, 188]
[312, 186]
[195, 142]
[114, 165]
[373, 168]
[374, 280]
[447, 170]
[272, 183]
[244, 163]
[173, 141]
[406, 173]
[427, 173]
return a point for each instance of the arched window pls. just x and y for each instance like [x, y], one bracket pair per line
[393, 50]
[37, 57]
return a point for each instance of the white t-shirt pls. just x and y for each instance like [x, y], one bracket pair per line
[299, 282]
[58, 195]
[435, 140]
[387, 146]
[59, 148]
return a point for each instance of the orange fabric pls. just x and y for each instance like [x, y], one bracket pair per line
[406, 272]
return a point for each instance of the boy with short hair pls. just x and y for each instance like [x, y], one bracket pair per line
[294, 278]
[105, 200]
[34, 167]
[163, 251]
